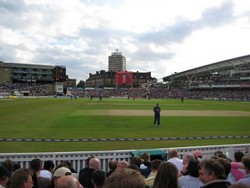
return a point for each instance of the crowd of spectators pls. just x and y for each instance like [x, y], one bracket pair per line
[164, 93]
[28, 89]
[193, 171]
[130, 93]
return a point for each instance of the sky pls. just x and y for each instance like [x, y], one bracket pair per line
[157, 36]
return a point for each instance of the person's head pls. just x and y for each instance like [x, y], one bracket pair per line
[48, 165]
[238, 185]
[135, 167]
[98, 178]
[125, 178]
[67, 162]
[121, 165]
[60, 172]
[238, 156]
[36, 165]
[167, 176]
[246, 163]
[4, 176]
[155, 165]
[197, 154]
[192, 168]
[172, 153]
[136, 160]
[217, 153]
[94, 163]
[68, 182]
[211, 169]
[226, 165]
[21, 178]
[87, 160]
[112, 164]
[187, 158]
[145, 157]
[9, 165]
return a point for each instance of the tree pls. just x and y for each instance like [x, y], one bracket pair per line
[81, 83]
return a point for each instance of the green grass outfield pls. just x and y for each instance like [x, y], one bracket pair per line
[118, 118]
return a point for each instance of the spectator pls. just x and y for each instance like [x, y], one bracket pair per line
[36, 167]
[121, 165]
[212, 174]
[68, 182]
[112, 166]
[134, 167]
[4, 177]
[47, 170]
[239, 185]
[217, 153]
[197, 154]
[86, 165]
[69, 165]
[227, 167]
[136, 160]
[173, 158]
[125, 178]
[98, 178]
[246, 163]
[191, 180]
[154, 169]
[185, 162]
[167, 176]
[21, 178]
[9, 165]
[145, 166]
[237, 168]
[85, 178]
[58, 173]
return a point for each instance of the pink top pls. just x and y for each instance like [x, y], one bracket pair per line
[237, 171]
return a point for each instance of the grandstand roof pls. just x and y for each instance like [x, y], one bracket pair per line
[22, 65]
[229, 64]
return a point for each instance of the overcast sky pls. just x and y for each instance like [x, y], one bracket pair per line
[160, 36]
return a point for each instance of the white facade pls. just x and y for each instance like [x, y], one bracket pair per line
[117, 62]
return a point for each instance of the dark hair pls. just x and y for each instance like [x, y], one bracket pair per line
[226, 164]
[8, 164]
[136, 160]
[134, 167]
[113, 164]
[48, 165]
[156, 164]
[98, 178]
[192, 168]
[238, 156]
[167, 176]
[35, 164]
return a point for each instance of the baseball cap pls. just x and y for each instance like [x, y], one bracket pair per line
[63, 171]
[4, 172]
[198, 154]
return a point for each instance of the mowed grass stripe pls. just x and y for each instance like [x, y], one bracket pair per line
[163, 113]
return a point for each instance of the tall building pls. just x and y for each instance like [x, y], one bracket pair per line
[117, 62]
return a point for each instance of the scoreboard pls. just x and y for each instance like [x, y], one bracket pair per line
[60, 73]
[124, 78]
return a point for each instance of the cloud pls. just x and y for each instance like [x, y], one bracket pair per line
[155, 35]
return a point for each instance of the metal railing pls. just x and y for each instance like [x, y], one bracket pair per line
[77, 159]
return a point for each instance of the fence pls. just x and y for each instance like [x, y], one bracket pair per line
[77, 159]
